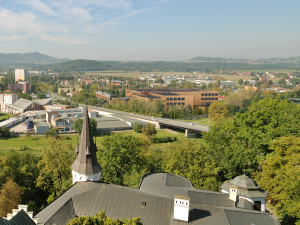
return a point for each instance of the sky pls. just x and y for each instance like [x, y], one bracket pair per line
[151, 30]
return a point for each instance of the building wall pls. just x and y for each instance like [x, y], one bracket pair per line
[196, 99]
[20, 74]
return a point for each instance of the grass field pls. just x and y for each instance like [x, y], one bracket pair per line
[138, 74]
[37, 144]
[203, 121]
[4, 116]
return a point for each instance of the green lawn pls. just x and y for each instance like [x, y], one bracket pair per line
[4, 116]
[203, 121]
[38, 143]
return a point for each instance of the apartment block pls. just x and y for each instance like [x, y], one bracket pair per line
[170, 97]
[20, 74]
[25, 87]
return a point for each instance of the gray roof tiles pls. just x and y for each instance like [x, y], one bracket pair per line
[252, 193]
[19, 219]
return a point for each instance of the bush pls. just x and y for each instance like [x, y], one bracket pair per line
[138, 127]
[163, 139]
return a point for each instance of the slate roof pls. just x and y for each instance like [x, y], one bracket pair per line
[88, 198]
[86, 159]
[21, 218]
[246, 187]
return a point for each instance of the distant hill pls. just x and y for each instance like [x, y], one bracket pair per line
[31, 58]
[82, 65]
[208, 59]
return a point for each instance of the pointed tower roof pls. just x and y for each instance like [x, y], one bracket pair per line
[86, 160]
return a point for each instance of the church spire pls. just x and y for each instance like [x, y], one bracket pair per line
[86, 166]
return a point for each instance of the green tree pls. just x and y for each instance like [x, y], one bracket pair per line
[189, 159]
[240, 81]
[79, 122]
[270, 82]
[245, 139]
[280, 176]
[120, 155]
[159, 80]
[218, 110]
[149, 130]
[246, 82]
[63, 93]
[137, 127]
[4, 132]
[55, 166]
[198, 111]
[21, 167]
[10, 197]
[189, 110]
[53, 132]
[102, 219]
[28, 134]
[281, 82]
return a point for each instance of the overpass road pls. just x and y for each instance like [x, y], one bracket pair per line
[160, 121]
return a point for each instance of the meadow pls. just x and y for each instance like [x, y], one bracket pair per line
[37, 143]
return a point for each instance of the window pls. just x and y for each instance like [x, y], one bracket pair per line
[175, 103]
[183, 103]
[171, 103]
[205, 94]
[202, 98]
[183, 99]
[209, 94]
[168, 103]
[171, 99]
[209, 98]
[168, 99]
[175, 99]
[202, 94]
[179, 103]
[205, 98]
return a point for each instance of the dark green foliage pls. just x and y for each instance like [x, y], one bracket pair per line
[137, 127]
[101, 219]
[41, 95]
[21, 167]
[120, 155]
[245, 139]
[149, 130]
[280, 176]
[4, 132]
[53, 132]
[163, 139]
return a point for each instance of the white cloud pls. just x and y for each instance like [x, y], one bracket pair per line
[26, 25]
[13, 38]
[78, 12]
[38, 6]
[162, 2]
[63, 39]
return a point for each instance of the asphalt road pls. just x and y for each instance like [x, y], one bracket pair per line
[162, 121]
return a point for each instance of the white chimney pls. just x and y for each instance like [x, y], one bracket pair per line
[233, 193]
[181, 208]
[24, 207]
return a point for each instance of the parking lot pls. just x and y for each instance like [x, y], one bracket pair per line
[20, 128]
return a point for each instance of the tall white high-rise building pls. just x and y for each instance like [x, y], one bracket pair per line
[20, 74]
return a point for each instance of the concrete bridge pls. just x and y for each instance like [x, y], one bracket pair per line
[190, 128]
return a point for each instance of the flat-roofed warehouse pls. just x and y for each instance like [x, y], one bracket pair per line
[111, 124]
[170, 97]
